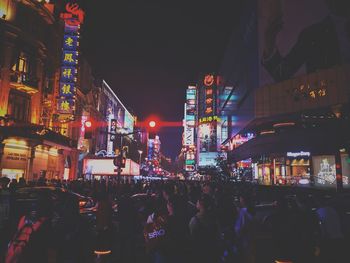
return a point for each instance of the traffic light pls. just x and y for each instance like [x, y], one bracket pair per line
[113, 130]
[123, 162]
[123, 156]
[152, 124]
[120, 159]
[152, 129]
[88, 130]
[116, 160]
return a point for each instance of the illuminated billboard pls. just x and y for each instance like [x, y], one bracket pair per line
[191, 106]
[189, 136]
[324, 170]
[128, 122]
[105, 166]
[207, 159]
[207, 97]
[207, 137]
[73, 17]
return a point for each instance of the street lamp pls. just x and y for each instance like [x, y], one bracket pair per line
[140, 152]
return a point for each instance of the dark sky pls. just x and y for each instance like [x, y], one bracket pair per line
[150, 51]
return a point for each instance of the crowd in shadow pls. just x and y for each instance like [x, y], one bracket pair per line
[172, 221]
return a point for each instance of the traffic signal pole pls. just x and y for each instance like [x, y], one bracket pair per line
[121, 152]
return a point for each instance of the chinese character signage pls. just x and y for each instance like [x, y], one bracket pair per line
[69, 58]
[72, 19]
[65, 106]
[70, 41]
[207, 97]
[67, 89]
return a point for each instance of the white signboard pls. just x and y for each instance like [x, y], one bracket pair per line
[189, 136]
[208, 159]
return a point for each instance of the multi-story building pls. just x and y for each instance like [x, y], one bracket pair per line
[46, 88]
[205, 123]
[31, 37]
[290, 109]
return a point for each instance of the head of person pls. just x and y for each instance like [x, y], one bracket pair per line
[246, 200]
[167, 192]
[207, 189]
[173, 205]
[205, 203]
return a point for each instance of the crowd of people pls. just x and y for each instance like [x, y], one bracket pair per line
[187, 221]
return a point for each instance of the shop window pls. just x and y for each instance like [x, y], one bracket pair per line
[18, 106]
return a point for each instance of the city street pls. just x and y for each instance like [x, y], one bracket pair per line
[166, 132]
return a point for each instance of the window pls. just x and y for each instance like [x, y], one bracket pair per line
[22, 64]
[18, 106]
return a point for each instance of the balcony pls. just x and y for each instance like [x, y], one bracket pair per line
[24, 82]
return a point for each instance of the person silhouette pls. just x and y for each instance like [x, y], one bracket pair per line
[320, 46]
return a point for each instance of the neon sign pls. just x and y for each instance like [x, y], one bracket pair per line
[74, 16]
[209, 119]
[69, 63]
[298, 154]
[208, 80]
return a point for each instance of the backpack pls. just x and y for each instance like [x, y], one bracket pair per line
[155, 233]
[18, 245]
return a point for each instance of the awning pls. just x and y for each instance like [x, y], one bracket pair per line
[316, 141]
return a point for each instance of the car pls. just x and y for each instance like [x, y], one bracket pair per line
[59, 199]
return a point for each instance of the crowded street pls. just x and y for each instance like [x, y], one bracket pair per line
[179, 221]
[192, 131]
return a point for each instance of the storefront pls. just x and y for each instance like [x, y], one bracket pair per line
[286, 169]
[32, 155]
[297, 166]
[14, 161]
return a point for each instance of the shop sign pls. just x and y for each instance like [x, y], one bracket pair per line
[70, 55]
[209, 119]
[189, 136]
[190, 162]
[298, 154]
[14, 158]
[190, 108]
[310, 91]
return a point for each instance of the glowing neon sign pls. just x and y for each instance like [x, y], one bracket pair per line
[67, 92]
[209, 80]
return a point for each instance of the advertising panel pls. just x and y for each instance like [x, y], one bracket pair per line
[191, 106]
[120, 114]
[324, 170]
[345, 165]
[189, 136]
[73, 17]
[106, 167]
[128, 122]
[207, 159]
[298, 37]
[207, 97]
[207, 137]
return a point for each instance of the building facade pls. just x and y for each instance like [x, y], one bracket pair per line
[33, 143]
[290, 111]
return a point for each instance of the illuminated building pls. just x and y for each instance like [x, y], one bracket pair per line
[205, 126]
[288, 110]
[32, 143]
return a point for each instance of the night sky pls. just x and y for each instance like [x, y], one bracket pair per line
[150, 51]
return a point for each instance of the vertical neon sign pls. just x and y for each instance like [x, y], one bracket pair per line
[69, 62]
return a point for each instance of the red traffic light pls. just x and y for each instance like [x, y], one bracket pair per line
[152, 124]
[88, 124]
